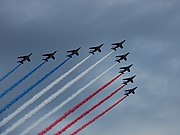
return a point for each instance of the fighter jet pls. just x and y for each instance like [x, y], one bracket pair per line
[49, 56]
[73, 52]
[95, 49]
[127, 92]
[24, 58]
[118, 45]
[124, 69]
[122, 57]
[127, 80]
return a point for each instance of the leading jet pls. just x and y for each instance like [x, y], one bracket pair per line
[73, 52]
[127, 92]
[95, 49]
[124, 69]
[118, 45]
[24, 58]
[49, 56]
[127, 80]
[122, 57]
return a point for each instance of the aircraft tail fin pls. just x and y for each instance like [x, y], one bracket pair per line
[113, 48]
[126, 94]
[122, 72]
[91, 52]
[118, 61]
[45, 60]
[125, 83]
[70, 56]
[21, 62]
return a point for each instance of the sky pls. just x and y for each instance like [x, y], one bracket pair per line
[151, 30]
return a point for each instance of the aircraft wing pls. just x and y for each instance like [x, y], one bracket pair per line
[77, 53]
[70, 51]
[45, 54]
[126, 79]
[21, 57]
[114, 44]
[29, 59]
[119, 56]
[93, 48]
[126, 90]
[53, 57]
[122, 68]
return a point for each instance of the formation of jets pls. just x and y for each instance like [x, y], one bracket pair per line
[71, 53]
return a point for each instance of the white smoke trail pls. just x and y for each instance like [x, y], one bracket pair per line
[41, 93]
[65, 102]
[52, 97]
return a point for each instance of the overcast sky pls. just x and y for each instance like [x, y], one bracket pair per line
[151, 29]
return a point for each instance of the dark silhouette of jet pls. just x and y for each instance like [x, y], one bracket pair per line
[128, 80]
[24, 58]
[127, 92]
[49, 56]
[73, 52]
[118, 45]
[95, 49]
[124, 69]
[122, 57]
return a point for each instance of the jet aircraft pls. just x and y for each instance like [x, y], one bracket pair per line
[127, 80]
[127, 92]
[24, 58]
[73, 52]
[49, 56]
[95, 49]
[122, 57]
[118, 45]
[124, 69]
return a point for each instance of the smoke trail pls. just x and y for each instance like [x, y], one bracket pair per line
[98, 116]
[65, 102]
[31, 88]
[20, 80]
[10, 72]
[52, 97]
[88, 111]
[41, 93]
[78, 105]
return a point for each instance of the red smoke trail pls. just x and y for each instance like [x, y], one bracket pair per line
[88, 111]
[77, 106]
[98, 116]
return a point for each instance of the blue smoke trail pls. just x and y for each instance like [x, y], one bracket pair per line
[33, 86]
[10, 72]
[19, 81]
